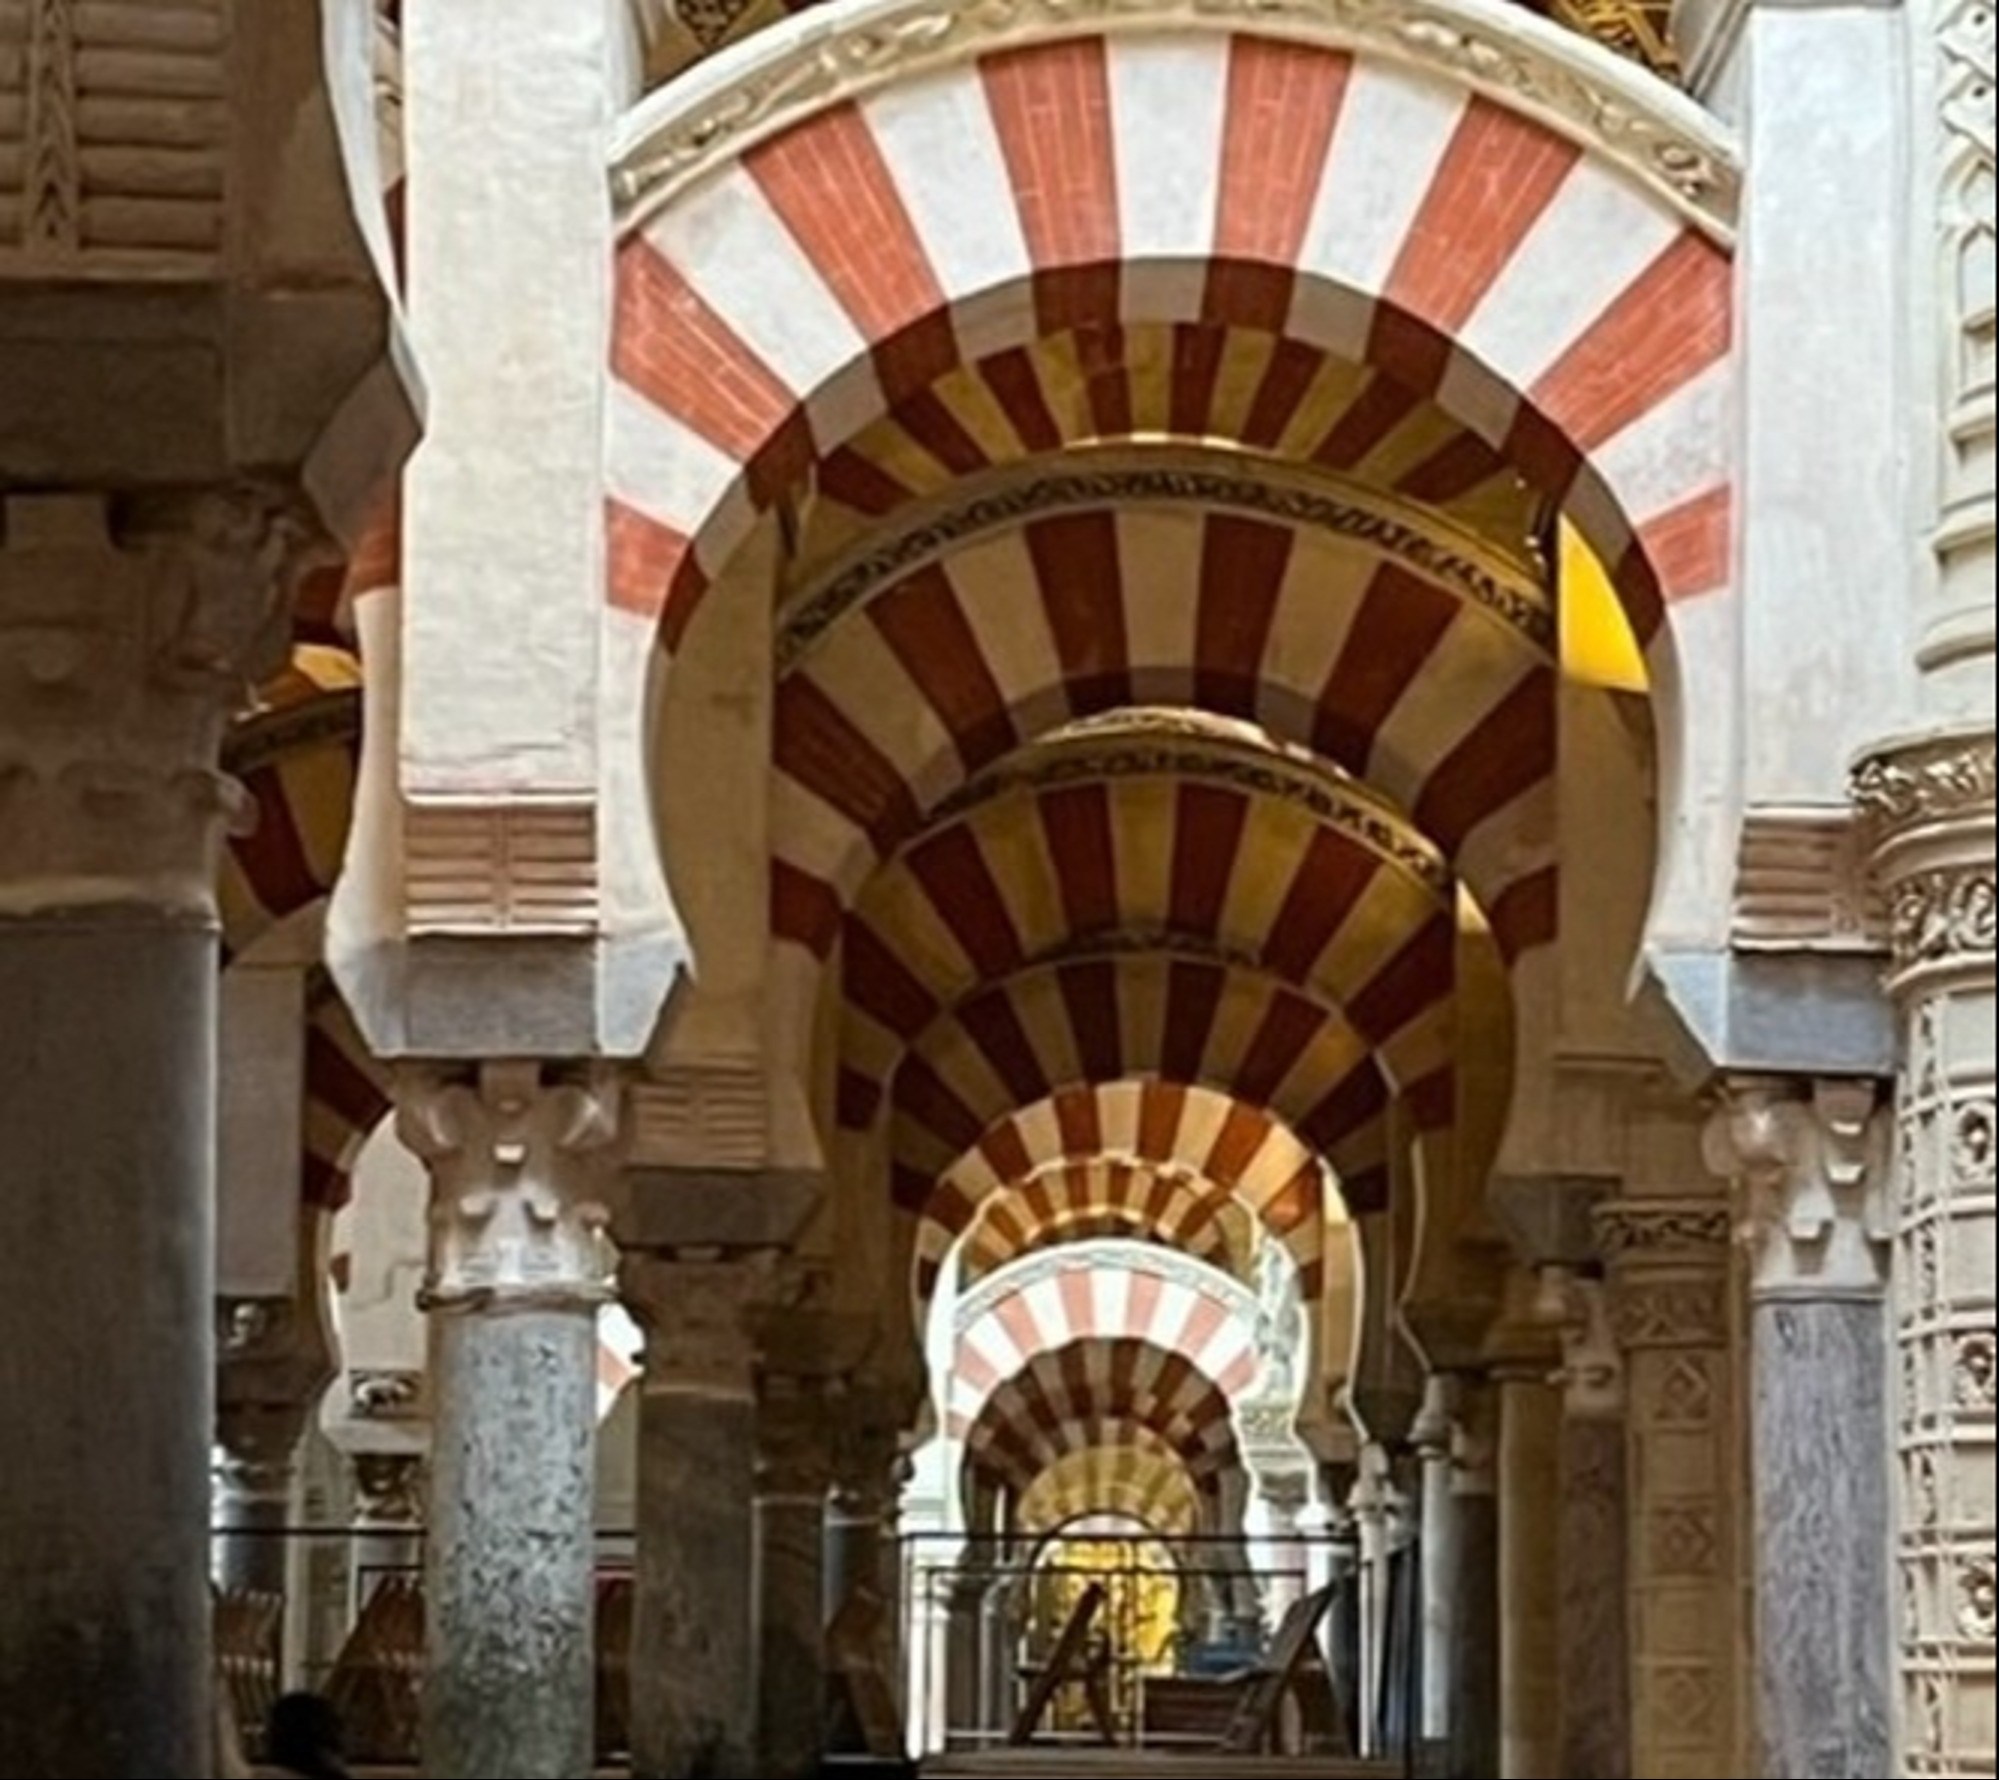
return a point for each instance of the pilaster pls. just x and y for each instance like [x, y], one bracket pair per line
[1668, 1264]
[1927, 807]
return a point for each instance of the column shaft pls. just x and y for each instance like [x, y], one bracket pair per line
[107, 1094]
[794, 1472]
[1475, 1625]
[509, 1556]
[1530, 1426]
[518, 1271]
[693, 1639]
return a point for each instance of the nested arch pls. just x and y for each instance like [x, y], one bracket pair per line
[1560, 289]
[1100, 1393]
[1240, 1149]
[1142, 1480]
[1086, 1198]
[1113, 1293]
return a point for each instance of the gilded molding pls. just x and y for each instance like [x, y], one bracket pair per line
[717, 112]
[1176, 476]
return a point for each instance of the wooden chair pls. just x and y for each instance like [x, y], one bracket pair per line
[377, 1681]
[247, 1653]
[1294, 1670]
[1078, 1660]
[862, 1717]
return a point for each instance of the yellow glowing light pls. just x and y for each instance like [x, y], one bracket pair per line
[1598, 646]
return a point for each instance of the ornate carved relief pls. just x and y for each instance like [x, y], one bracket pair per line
[699, 1318]
[1178, 476]
[1811, 1161]
[116, 119]
[389, 1489]
[521, 1166]
[512, 868]
[129, 634]
[701, 124]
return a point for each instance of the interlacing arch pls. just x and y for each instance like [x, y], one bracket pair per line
[1125, 1293]
[1242, 1149]
[1099, 1393]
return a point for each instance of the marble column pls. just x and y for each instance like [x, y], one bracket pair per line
[1593, 1642]
[1441, 1561]
[1525, 1355]
[256, 1468]
[1928, 810]
[1669, 1277]
[128, 629]
[1805, 1160]
[522, 1159]
[794, 1472]
[1473, 1746]
[693, 1642]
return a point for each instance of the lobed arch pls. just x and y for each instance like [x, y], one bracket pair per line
[1113, 1292]
[1096, 1393]
[1508, 224]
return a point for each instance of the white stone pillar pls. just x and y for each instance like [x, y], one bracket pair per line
[1929, 810]
[693, 1639]
[129, 628]
[1668, 1263]
[522, 1160]
[1803, 1157]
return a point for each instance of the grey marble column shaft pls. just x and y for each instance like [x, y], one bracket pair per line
[790, 1588]
[1822, 1531]
[107, 1343]
[693, 1652]
[510, 1560]
[1595, 1636]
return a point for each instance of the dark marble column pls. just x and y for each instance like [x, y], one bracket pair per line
[1808, 1163]
[693, 1644]
[1594, 1639]
[794, 1471]
[1526, 1355]
[521, 1163]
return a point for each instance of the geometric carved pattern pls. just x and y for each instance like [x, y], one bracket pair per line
[525, 868]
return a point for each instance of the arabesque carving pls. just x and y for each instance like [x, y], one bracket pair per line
[1925, 782]
[707, 118]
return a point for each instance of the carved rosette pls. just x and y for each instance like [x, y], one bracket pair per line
[522, 1162]
[1810, 1164]
[131, 631]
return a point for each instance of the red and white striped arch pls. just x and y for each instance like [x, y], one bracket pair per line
[1241, 1149]
[1099, 1393]
[1143, 1480]
[1120, 1293]
[1105, 1197]
[793, 281]
[1182, 380]
[1381, 662]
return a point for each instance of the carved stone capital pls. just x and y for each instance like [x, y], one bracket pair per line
[389, 1489]
[1668, 1270]
[700, 1320]
[1926, 807]
[256, 1449]
[1810, 1164]
[522, 1160]
[1592, 1369]
[130, 632]
[272, 1360]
